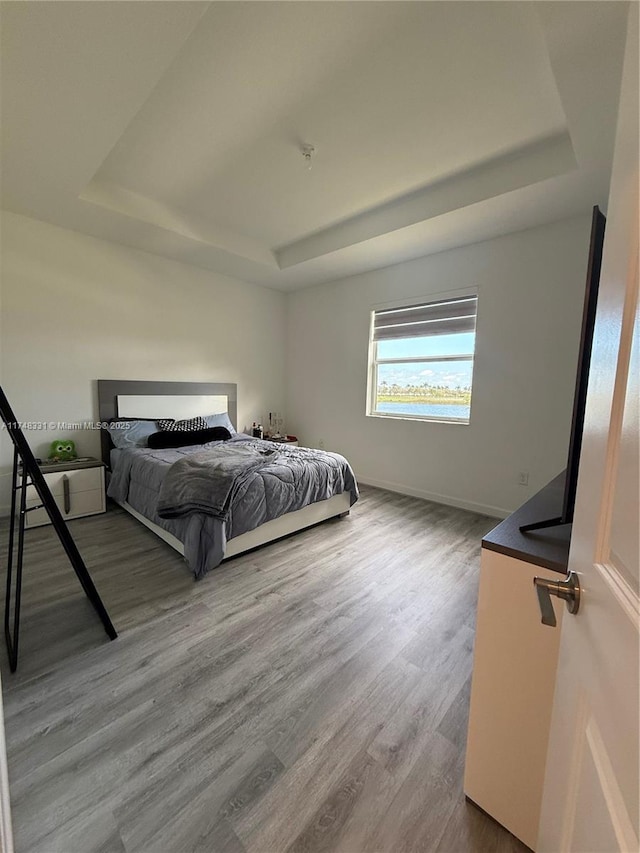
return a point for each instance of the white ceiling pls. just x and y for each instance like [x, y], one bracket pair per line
[176, 127]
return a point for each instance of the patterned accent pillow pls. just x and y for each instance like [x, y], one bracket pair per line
[187, 425]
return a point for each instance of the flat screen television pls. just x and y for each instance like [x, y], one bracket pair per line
[582, 378]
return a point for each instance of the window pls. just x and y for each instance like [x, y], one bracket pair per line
[421, 360]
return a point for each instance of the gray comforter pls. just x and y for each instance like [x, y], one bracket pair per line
[207, 481]
[286, 479]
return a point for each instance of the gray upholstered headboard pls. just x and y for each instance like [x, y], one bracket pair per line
[114, 395]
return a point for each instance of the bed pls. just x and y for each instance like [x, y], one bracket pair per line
[280, 490]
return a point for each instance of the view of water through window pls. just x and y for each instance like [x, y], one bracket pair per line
[428, 410]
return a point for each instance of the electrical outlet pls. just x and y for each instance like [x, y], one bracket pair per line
[523, 478]
[321, 443]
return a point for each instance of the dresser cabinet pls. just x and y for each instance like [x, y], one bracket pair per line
[514, 669]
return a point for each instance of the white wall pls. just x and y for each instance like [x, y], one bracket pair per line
[530, 286]
[76, 309]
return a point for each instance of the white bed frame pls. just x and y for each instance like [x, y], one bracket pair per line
[292, 522]
[187, 400]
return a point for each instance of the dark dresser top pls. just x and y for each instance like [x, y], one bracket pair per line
[70, 464]
[549, 547]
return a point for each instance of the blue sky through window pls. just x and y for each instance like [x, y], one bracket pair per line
[462, 344]
[451, 374]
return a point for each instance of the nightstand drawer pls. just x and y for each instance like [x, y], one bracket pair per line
[80, 503]
[77, 492]
[80, 480]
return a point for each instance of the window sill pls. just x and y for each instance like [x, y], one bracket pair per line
[414, 418]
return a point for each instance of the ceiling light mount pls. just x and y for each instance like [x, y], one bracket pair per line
[308, 152]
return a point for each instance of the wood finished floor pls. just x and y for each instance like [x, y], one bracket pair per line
[309, 696]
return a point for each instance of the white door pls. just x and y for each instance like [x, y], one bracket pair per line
[591, 793]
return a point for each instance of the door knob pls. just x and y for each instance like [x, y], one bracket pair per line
[568, 590]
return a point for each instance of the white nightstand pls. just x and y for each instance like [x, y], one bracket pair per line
[289, 442]
[77, 488]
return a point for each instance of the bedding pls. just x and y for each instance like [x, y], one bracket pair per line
[177, 438]
[207, 481]
[186, 425]
[222, 419]
[128, 432]
[288, 479]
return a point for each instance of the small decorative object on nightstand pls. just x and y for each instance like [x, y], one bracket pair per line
[286, 439]
[62, 450]
[77, 487]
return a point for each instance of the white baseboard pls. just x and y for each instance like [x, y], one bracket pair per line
[482, 509]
